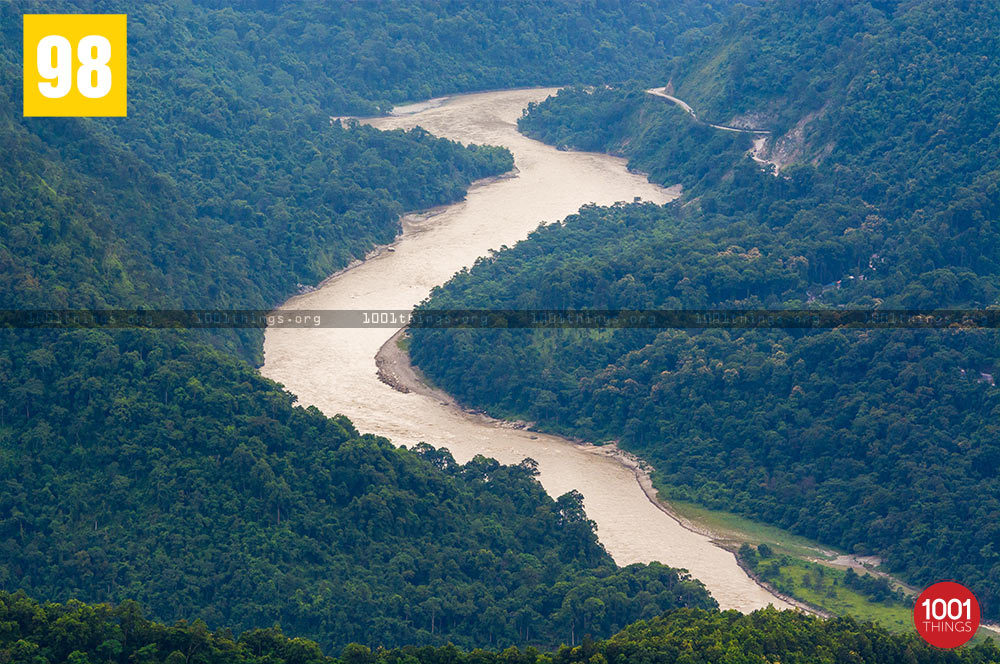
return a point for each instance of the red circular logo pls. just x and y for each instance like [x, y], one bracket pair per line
[946, 614]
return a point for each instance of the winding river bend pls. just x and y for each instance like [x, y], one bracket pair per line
[334, 369]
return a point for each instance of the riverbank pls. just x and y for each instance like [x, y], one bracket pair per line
[727, 532]
[331, 368]
[395, 369]
[642, 472]
[409, 220]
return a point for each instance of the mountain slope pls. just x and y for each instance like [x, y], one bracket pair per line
[877, 441]
[143, 466]
[80, 633]
[149, 465]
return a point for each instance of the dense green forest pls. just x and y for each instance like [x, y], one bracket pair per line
[877, 441]
[228, 165]
[368, 57]
[222, 188]
[160, 467]
[157, 466]
[148, 468]
[34, 633]
[228, 185]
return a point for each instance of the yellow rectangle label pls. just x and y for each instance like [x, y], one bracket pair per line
[74, 65]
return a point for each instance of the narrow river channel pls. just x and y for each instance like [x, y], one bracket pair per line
[334, 369]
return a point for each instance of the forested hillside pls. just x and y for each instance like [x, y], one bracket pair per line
[77, 633]
[228, 185]
[219, 190]
[657, 137]
[151, 469]
[150, 466]
[877, 441]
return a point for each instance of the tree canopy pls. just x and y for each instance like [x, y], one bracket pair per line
[877, 441]
[37, 633]
[155, 465]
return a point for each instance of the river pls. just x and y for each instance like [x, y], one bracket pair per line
[334, 369]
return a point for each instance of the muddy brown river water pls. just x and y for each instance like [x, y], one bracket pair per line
[334, 369]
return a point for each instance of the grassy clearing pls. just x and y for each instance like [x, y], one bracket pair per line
[800, 576]
[824, 586]
[739, 529]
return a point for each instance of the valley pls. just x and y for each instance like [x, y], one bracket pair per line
[334, 369]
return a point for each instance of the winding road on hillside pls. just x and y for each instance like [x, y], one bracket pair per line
[662, 92]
